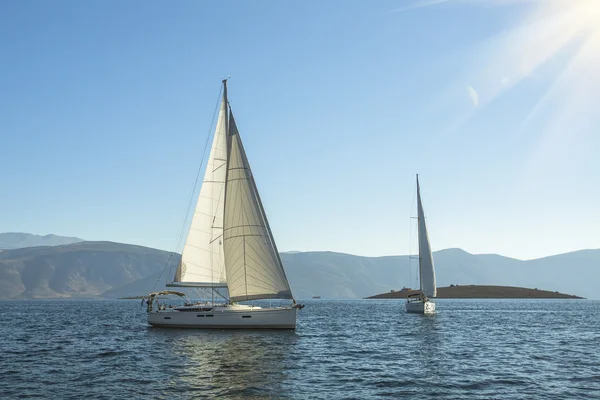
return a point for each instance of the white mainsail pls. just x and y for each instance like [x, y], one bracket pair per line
[202, 260]
[426, 268]
[254, 269]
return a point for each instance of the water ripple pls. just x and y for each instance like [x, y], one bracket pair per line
[527, 349]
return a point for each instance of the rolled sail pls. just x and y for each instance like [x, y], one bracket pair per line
[202, 260]
[254, 269]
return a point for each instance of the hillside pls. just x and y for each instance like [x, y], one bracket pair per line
[85, 269]
[18, 240]
[481, 292]
[112, 270]
[338, 275]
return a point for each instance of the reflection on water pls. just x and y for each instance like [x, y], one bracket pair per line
[426, 340]
[235, 363]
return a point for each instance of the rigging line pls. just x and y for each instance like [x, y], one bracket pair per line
[181, 230]
[215, 291]
[161, 273]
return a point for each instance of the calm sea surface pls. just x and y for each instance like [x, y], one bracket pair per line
[475, 349]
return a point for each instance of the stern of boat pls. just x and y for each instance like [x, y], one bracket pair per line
[420, 307]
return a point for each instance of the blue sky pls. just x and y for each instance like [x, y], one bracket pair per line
[105, 107]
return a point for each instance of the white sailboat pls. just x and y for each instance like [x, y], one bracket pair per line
[229, 245]
[421, 302]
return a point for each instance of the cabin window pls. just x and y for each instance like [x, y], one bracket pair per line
[200, 315]
[167, 317]
[210, 315]
[194, 309]
[246, 316]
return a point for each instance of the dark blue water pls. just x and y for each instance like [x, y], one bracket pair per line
[475, 349]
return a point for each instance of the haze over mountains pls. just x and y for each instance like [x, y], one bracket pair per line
[111, 270]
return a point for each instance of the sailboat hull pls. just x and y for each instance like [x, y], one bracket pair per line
[420, 307]
[226, 317]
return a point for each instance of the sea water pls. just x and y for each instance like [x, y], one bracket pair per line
[354, 349]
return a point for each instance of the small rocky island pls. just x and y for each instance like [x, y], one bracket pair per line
[481, 292]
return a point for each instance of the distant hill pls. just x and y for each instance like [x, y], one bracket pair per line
[338, 275]
[17, 240]
[481, 292]
[142, 287]
[85, 269]
[111, 270]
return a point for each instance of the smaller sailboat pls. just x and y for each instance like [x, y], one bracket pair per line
[420, 302]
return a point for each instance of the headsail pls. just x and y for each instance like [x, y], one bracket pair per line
[254, 269]
[426, 268]
[202, 261]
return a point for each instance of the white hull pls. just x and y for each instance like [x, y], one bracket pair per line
[226, 317]
[420, 307]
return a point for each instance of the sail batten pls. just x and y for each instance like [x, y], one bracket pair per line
[426, 266]
[254, 269]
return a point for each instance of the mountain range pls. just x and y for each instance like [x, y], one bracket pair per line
[18, 240]
[112, 270]
[83, 269]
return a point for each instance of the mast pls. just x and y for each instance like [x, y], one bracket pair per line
[226, 114]
[419, 216]
[227, 151]
[227, 142]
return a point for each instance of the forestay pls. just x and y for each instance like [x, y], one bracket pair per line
[254, 269]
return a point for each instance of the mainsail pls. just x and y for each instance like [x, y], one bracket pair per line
[426, 268]
[254, 269]
[202, 260]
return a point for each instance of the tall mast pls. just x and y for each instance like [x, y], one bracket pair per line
[227, 146]
[227, 151]
[224, 81]
[419, 216]
[226, 112]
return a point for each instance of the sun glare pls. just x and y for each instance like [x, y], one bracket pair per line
[544, 31]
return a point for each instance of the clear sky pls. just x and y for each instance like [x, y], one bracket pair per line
[105, 108]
